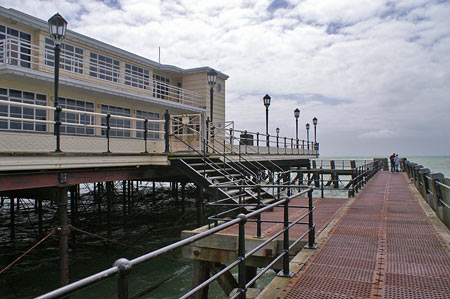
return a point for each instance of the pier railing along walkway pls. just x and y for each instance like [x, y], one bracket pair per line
[383, 247]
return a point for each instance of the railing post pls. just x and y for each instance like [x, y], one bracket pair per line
[257, 141]
[268, 143]
[166, 131]
[435, 189]
[321, 182]
[224, 155]
[241, 254]
[312, 227]
[146, 134]
[285, 147]
[292, 146]
[231, 139]
[124, 267]
[108, 129]
[245, 141]
[285, 272]
[258, 217]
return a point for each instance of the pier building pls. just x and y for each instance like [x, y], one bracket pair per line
[118, 119]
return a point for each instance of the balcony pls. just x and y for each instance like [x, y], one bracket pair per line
[96, 68]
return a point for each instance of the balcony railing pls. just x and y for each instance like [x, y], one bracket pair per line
[24, 54]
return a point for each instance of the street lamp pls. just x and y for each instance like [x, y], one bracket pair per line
[212, 78]
[315, 125]
[297, 115]
[307, 134]
[266, 100]
[57, 27]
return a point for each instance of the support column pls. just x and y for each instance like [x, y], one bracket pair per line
[200, 273]
[124, 198]
[183, 197]
[109, 200]
[40, 220]
[12, 218]
[199, 206]
[61, 194]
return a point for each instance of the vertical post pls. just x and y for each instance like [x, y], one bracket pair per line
[292, 146]
[257, 141]
[285, 147]
[311, 226]
[285, 272]
[40, 220]
[258, 217]
[166, 130]
[267, 125]
[124, 198]
[61, 194]
[183, 197]
[241, 254]
[124, 267]
[109, 198]
[12, 218]
[108, 129]
[321, 182]
[57, 115]
[146, 134]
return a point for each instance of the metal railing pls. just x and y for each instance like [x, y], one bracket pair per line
[122, 268]
[104, 130]
[433, 187]
[24, 54]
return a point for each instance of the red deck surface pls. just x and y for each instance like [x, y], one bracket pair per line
[325, 210]
[383, 247]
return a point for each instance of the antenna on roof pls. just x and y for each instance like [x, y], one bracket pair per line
[159, 55]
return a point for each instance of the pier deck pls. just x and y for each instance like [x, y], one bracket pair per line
[386, 245]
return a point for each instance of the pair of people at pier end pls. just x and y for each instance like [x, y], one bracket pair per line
[395, 162]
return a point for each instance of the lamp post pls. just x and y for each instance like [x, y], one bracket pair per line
[296, 115]
[307, 134]
[266, 100]
[315, 137]
[212, 78]
[57, 27]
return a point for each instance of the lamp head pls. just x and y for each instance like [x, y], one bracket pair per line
[315, 120]
[297, 113]
[266, 100]
[57, 27]
[212, 77]
[307, 126]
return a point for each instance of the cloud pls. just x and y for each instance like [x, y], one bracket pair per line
[375, 73]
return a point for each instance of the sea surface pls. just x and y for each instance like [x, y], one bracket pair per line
[155, 225]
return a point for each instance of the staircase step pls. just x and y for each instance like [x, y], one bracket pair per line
[224, 177]
[214, 170]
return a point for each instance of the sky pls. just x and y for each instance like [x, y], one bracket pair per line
[375, 73]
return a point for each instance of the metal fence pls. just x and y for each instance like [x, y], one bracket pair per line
[122, 267]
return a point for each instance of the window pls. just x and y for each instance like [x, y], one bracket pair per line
[71, 57]
[25, 113]
[77, 118]
[116, 122]
[104, 67]
[136, 76]
[160, 87]
[19, 47]
[152, 127]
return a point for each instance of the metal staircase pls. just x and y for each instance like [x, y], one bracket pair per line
[219, 169]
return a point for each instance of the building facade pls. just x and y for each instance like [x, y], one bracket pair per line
[96, 79]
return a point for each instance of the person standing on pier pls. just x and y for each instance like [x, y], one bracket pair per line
[392, 158]
[396, 162]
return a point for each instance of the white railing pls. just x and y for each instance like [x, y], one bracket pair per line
[22, 53]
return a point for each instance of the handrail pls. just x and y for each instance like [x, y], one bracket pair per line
[42, 59]
[123, 267]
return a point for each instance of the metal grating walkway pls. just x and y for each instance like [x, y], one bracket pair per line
[383, 247]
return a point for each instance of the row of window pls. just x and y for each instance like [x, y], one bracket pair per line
[72, 60]
[26, 117]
